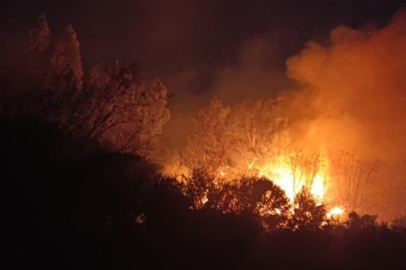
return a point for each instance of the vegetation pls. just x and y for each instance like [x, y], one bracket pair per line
[81, 189]
[109, 210]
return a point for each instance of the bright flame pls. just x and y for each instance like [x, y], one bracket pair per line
[335, 212]
[284, 179]
[318, 187]
[292, 183]
[291, 178]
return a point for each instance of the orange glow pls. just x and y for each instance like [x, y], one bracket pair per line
[335, 212]
[292, 181]
[291, 175]
[318, 187]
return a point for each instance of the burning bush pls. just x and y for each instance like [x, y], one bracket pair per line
[260, 197]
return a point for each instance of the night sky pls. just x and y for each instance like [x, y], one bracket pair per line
[233, 49]
[203, 36]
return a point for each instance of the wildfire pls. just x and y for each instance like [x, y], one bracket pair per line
[335, 212]
[292, 181]
[312, 173]
[318, 187]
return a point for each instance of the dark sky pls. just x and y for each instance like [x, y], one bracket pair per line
[230, 48]
[170, 36]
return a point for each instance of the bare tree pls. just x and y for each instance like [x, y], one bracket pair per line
[119, 111]
[256, 133]
[232, 142]
[205, 147]
[354, 179]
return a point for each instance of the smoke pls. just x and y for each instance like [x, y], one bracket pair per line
[257, 75]
[346, 95]
[353, 92]
[351, 97]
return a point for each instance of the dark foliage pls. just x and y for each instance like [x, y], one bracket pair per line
[111, 211]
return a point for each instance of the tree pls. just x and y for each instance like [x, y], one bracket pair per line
[307, 214]
[66, 62]
[200, 188]
[111, 108]
[39, 37]
[205, 147]
[60, 90]
[272, 204]
[230, 142]
[256, 133]
[357, 222]
[258, 197]
[399, 222]
[354, 178]
[121, 113]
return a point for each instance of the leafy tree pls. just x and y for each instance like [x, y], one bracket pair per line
[258, 197]
[200, 188]
[357, 222]
[307, 213]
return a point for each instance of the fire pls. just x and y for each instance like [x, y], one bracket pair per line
[282, 177]
[335, 212]
[292, 173]
[318, 187]
[292, 181]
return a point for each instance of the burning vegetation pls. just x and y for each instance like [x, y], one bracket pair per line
[340, 133]
[315, 158]
[309, 140]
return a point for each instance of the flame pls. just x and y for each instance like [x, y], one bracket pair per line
[283, 177]
[292, 182]
[317, 189]
[311, 174]
[335, 212]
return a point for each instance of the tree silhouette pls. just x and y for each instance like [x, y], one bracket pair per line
[357, 222]
[110, 108]
[39, 38]
[119, 111]
[307, 214]
[399, 222]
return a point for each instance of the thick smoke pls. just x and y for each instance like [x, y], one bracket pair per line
[354, 93]
[345, 96]
[351, 98]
